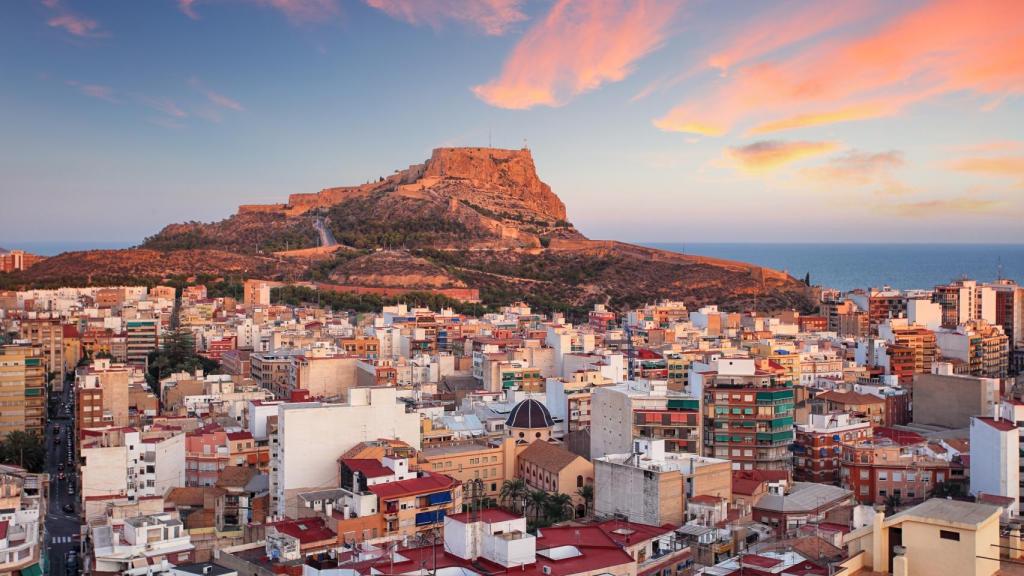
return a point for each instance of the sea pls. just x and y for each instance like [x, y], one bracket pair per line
[849, 266]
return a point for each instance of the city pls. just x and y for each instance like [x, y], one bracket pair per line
[184, 429]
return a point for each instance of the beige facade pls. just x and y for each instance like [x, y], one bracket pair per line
[492, 461]
[22, 389]
[951, 400]
[47, 335]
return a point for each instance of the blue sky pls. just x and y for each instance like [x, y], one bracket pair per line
[654, 120]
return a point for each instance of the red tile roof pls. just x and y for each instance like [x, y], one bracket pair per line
[306, 530]
[413, 487]
[368, 467]
[901, 437]
[489, 515]
[625, 532]
[759, 561]
[239, 436]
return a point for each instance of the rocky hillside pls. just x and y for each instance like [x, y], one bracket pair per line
[466, 217]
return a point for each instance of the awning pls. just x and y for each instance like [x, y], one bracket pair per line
[33, 570]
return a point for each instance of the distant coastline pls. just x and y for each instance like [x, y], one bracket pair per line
[849, 266]
[54, 248]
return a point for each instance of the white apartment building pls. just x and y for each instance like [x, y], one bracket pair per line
[995, 469]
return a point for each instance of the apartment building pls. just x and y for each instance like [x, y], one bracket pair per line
[748, 417]
[142, 336]
[493, 461]
[995, 469]
[877, 468]
[22, 512]
[48, 335]
[22, 389]
[125, 464]
[819, 444]
[963, 301]
[951, 400]
[644, 409]
[102, 394]
[983, 347]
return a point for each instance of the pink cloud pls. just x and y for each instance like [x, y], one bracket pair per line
[164, 105]
[97, 91]
[75, 25]
[577, 47]
[295, 10]
[493, 17]
[215, 97]
[936, 49]
[771, 154]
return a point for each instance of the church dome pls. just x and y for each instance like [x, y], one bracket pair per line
[529, 414]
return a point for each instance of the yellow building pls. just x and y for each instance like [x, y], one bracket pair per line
[492, 461]
[22, 389]
[935, 537]
[553, 469]
[48, 335]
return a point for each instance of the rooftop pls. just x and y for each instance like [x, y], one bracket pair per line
[969, 515]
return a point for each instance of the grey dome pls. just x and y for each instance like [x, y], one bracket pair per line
[529, 414]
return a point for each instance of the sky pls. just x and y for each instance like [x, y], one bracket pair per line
[653, 120]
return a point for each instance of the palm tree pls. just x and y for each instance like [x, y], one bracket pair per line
[512, 494]
[586, 492]
[892, 503]
[537, 501]
[558, 507]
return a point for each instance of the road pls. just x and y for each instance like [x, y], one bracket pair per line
[326, 236]
[62, 529]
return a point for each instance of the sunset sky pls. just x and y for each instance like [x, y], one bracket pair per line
[658, 120]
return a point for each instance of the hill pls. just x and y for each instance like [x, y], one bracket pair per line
[467, 217]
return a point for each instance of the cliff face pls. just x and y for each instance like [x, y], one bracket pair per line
[510, 176]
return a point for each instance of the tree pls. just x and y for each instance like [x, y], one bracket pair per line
[558, 507]
[23, 449]
[807, 279]
[512, 494]
[536, 501]
[892, 504]
[586, 492]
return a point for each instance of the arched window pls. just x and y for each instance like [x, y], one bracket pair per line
[579, 481]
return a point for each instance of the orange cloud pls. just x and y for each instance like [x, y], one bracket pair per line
[856, 167]
[938, 48]
[997, 166]
[787, 25]
[295, 10]
[946, 207]
[771, 154]
[493, 17]
[577, 47]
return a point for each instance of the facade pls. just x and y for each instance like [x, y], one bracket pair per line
[332, 429]
[644, 409]
[48, 335]
[492, 461]
[995, 469]
[983, 348]
[22, 511]
[102, 394]
[651, 486]
[142, 336]
[22, 389]
[951, 400]
[804, 503]
[878, 468]
[553, 469]
[818, 445]
[965, 300]
[748, 418]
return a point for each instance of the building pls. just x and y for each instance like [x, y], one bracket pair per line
[951, 400]
[995, 469]
[124, 464]
[22, 512]
[142, 336]
[102, 394]
[22, 389]
[804, 503]
[644, 409]
[256, 293]
[935, 537]
[1010, 310]
[491, 460]
[15, 260]
[878, 468]
[818, 445]
[651, 486]
[48, 335]
[983, 347]
[155, 541]
[866, 406]
[323, 372]
[311, 435]
[553, 469]
[528, 421]
[965, 300]
[748, 417]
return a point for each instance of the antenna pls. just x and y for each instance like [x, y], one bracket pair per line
[489, 138]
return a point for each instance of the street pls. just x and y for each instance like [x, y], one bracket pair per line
[62, 528]
[326, 236]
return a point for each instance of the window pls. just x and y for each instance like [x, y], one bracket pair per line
[883, 493]
[864, 474]
[864, 489]
[579, 481]
[882, 475]
[949, 535]
[897, 476]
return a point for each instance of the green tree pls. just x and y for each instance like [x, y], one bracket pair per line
[892, 504]
[558, 507]
[586, 492]
[536, 501]
[512, 494]
[177, 354]
[23, 449]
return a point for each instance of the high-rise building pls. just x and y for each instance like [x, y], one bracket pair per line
[48, 335]
[982, 346]
[22, 389]
[102, 394]
[644, 409]
[748, 416]
[1010, 310]
[143, 337]
[965, 300]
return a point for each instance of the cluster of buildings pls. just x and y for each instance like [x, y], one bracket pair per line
[654, 441]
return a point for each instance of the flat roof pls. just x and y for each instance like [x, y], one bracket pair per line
[969, 515]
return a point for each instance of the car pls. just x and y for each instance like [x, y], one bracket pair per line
[68, 508]
[60, 467]
[60, 476]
